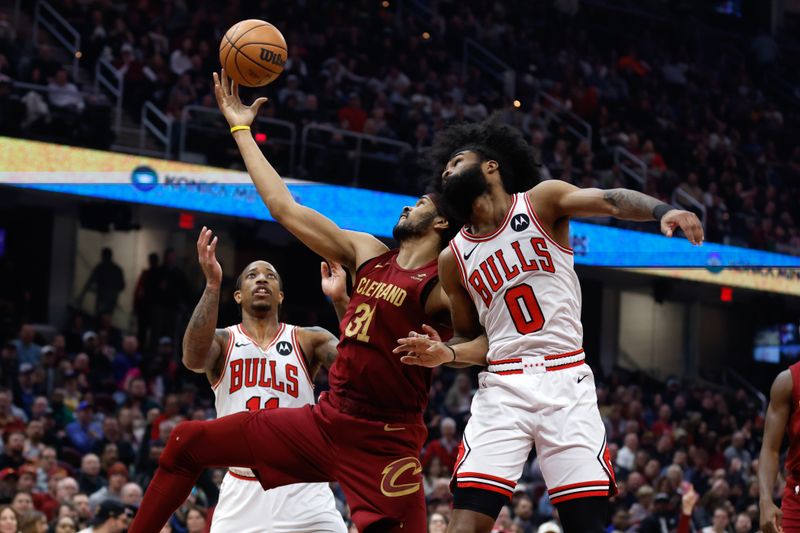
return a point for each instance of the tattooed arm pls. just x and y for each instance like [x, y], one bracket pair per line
[319, 347]
[203, 343]
[555, 201]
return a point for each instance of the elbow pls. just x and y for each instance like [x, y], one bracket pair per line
[281, 209]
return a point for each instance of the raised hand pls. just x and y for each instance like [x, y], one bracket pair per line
[424, 349]
[334, 280]
[227, 94]
[685, 220]
[207, 256]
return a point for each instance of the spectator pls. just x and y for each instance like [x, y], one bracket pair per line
[437, 523]
[117, 479]
[144, 297]
[27, 350]
[112, 434]
[195, 520]
[720, 522]
[13, 446]
[107, 281]
[65, 95]
[33, 522]
[66, 490]
[111, 517]
[84, 433]
[131, 494]
[22, 502]
[627, 453]
[662, 519]
[445, 447]
[9, 520]
[352, 117]
[737, 450]
[89, 478]
[459, 397]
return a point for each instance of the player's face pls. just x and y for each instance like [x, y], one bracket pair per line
[260, 289]
[415, 220]
[463, 180]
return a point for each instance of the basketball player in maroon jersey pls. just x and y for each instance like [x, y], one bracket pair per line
[367, 431]
[783, 416]
[510, 278]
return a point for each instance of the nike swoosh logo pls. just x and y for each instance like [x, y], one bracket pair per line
[466, 256]
[240, 344]
[582, 378]
[388, 428]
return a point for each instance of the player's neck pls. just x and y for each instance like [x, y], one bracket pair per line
[261, 329]
[417, 252]
[490, 210]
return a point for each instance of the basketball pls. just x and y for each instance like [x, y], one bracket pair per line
[253, 53]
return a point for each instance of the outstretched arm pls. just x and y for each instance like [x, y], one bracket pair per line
[556, 199]
[316, 231]
[202, 342]
[780, 400]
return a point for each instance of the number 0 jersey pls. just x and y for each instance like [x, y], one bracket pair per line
[386, 303]
[523, 285]
[255, 378]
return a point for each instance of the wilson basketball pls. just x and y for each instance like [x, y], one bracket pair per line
[253, 53]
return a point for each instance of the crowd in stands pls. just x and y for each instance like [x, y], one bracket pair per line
[85, 411]
[688, 105]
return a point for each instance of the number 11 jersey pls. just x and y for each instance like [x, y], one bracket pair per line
[387, 302]
[523, 285]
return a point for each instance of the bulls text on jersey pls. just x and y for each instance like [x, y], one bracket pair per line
[530, 255]
[260, 372]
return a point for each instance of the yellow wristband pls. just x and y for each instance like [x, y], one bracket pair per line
[239, 128]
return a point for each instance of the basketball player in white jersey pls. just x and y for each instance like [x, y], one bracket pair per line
[510, 274]
[261, 363]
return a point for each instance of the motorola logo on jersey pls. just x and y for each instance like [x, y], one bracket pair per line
[284, 347]
[144, 178]
[520, 222]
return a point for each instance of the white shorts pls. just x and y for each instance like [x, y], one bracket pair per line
[245, 507]
[526, 402]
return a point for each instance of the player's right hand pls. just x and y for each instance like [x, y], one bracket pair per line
[424, 349]
[770, 518]
[207, 256]
[227, 94]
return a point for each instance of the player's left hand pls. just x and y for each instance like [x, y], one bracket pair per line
[227, 94]
[334, 280]
[685, 220]
[424, 349]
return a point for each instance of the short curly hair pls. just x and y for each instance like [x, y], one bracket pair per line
[519, 169]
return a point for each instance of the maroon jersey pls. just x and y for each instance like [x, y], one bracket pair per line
[387, 302]
[793, 428]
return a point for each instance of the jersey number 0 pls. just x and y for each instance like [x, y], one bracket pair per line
[524, 309]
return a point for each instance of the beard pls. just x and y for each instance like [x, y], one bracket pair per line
[406, 229]
[460, 191]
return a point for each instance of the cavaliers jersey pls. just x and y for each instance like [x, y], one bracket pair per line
[793, 429]
[386, 303]
[254, 378]
[523, 285]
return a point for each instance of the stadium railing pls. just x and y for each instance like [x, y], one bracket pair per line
[379, 150]
[162, 132]
[209, 122]
[490, 65]
[630, 165]
[109, 78]
[62, 31]
[578, 127]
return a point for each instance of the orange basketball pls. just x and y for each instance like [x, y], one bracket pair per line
[253, 53]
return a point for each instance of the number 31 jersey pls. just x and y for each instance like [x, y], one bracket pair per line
[387, 302]
[523, 285]
[254, 378]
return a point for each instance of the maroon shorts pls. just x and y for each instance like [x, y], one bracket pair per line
[790, 507]
[375, 462]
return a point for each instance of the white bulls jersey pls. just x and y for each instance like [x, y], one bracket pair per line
[523, 285]
[254, 379]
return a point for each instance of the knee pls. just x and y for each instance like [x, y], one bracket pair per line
[178, 452]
